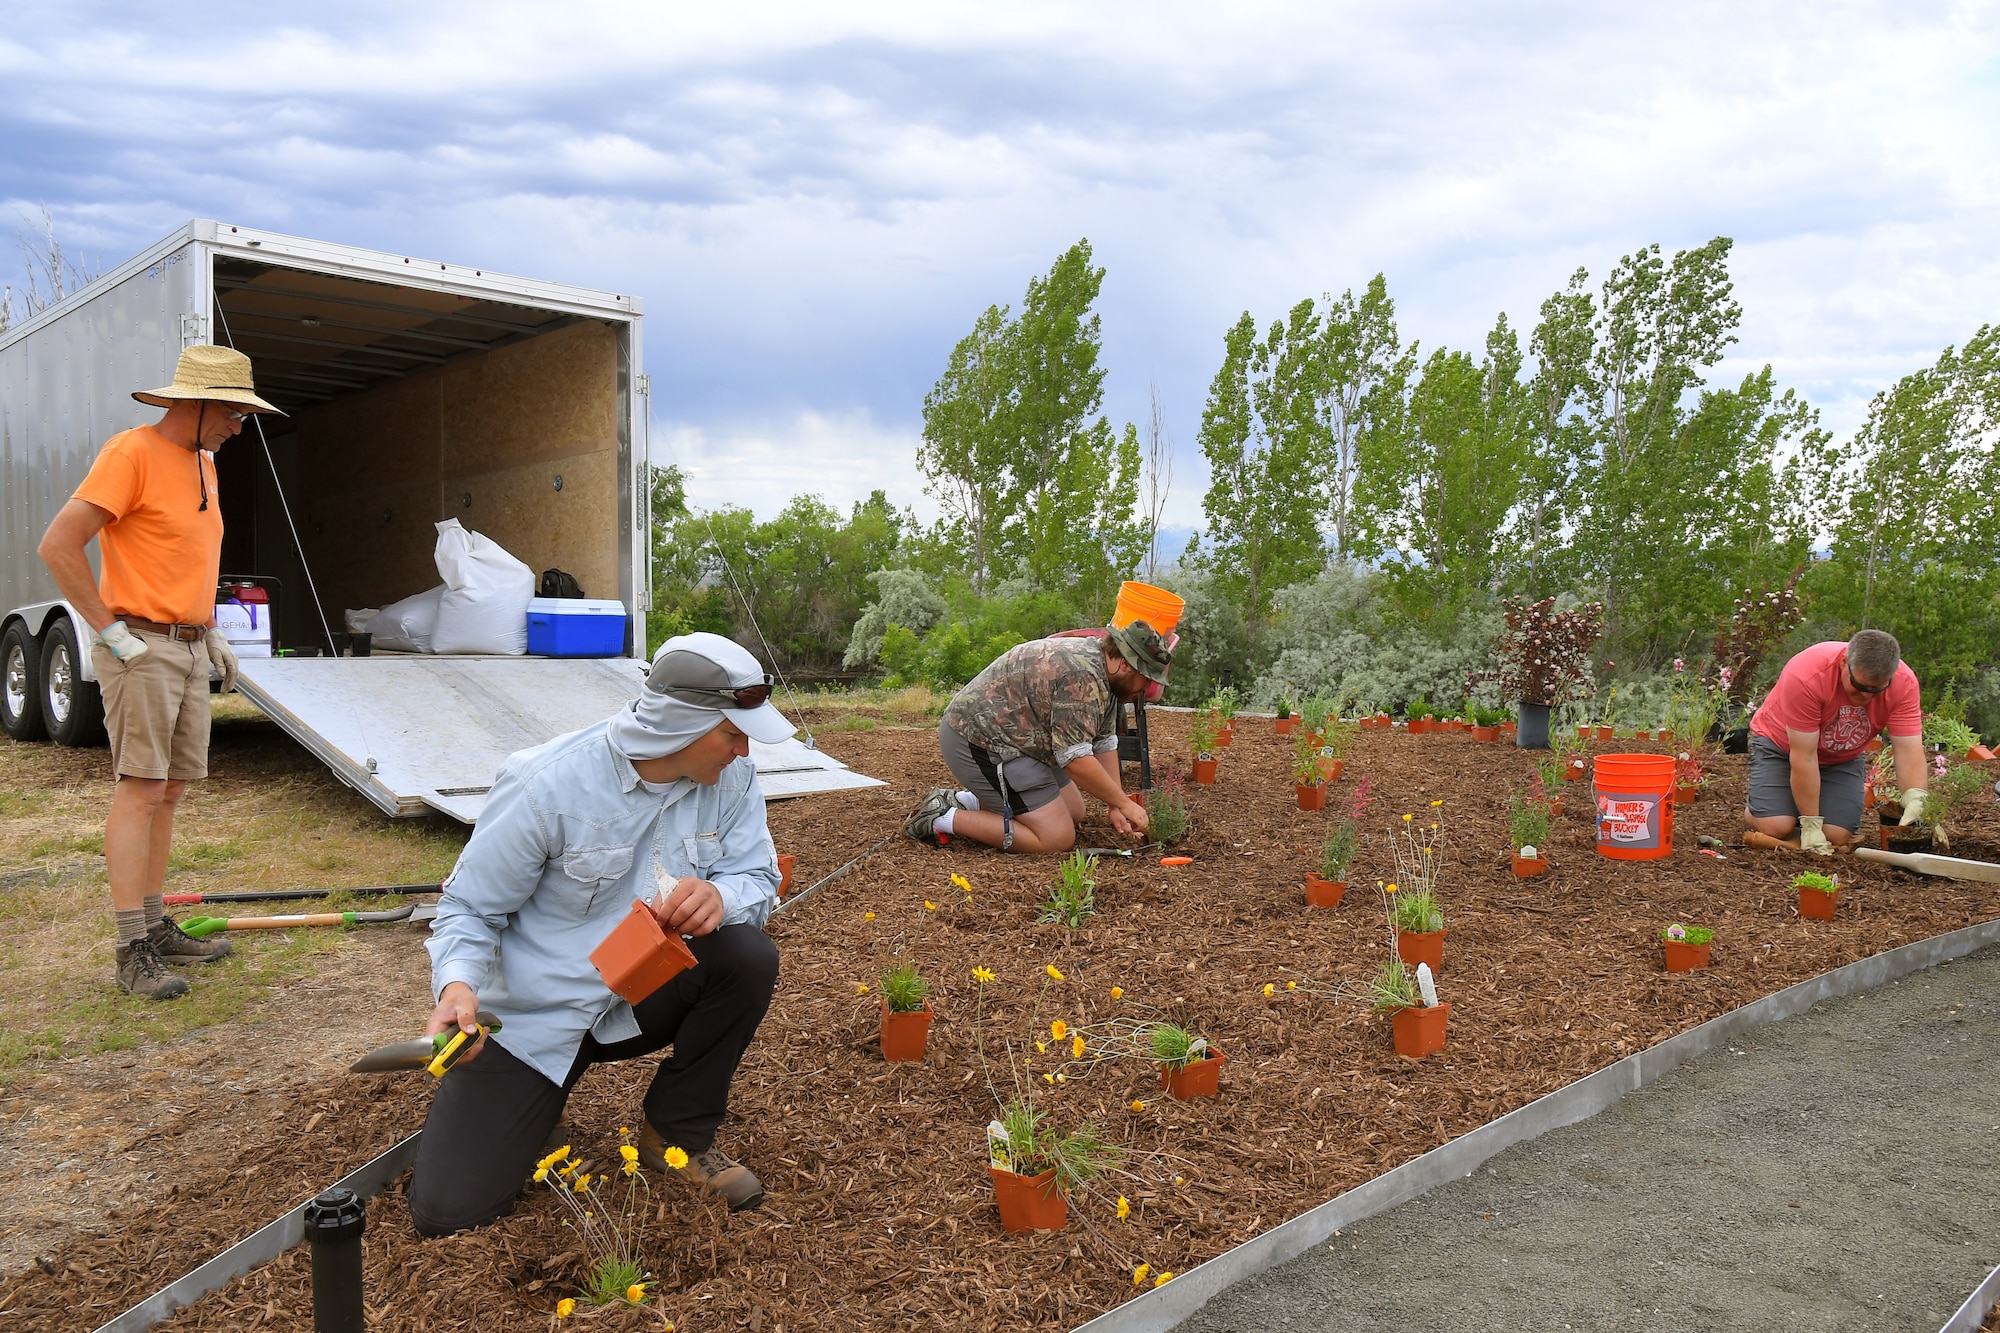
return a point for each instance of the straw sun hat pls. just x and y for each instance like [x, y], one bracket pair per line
[217, 374]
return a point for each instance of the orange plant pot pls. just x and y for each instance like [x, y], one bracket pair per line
[1817, 905]
[1486, 735]
[1642, 735]
[1324, 892]
[1686, 795]
[1867, 796]
[639, 957]
[1682, 957]
[1583, 733]
[785, 863]
[1382, 721]
[1874, 744]
[1226, 736]
[1421, 946]
[1666, 734]
[1195, 1080]
[1311, 798]
[1574, 773]
[1419, 725]
[904, 1034]
[1029, 1203]
[1204, 772]
[1285, 726]
[1527, 867]
[1979, 754]
[1419, 1031]
[1604, 733]
[1331, 769]
[1556, 808]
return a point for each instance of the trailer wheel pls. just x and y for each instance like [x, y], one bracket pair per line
[21, 684]
[72, 708]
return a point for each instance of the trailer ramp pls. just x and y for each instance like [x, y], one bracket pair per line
[416, 733]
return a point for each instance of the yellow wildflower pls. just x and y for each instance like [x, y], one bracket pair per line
[570, 1169]
[1053, 974]
[1062, 1078]
[554, 1157]
[929, 906]
[860, 988]
[1124, 1208]
[581, 1183]
[1408, 818]
[1291, 985]
[567, 1306]
[1139, 1273]
[1117, 992]
[982, 975]
[630, 1168]
[636, 1293]
[1435, 804]
[1058, 1029]
[1048, 1078]
[1162, 1279]
[541, 1174]
[1042, 1047]
[1076, 1046]
[628, 1152]
[867, 916]
[624, 1133]
[1138, 1105]
[964, 884]
[1269, 990]
[1180, 1180]
[676, 1158]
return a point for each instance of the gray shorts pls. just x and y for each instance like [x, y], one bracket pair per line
[1771, 785]
[1031, 784]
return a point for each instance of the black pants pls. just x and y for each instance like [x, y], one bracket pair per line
[491, 1116]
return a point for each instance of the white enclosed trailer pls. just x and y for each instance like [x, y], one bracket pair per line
[415, 391]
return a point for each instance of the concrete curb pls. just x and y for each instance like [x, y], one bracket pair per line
[1163, 1307]
[1973, 1313]
[259, 1247]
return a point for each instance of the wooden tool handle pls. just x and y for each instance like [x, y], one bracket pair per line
[1770, 844]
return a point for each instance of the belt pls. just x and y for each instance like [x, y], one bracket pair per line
[185, 633]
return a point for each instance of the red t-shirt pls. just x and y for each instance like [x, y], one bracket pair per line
[1811, 695]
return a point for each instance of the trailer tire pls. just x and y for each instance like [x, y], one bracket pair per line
[72, 708]
[21, 684]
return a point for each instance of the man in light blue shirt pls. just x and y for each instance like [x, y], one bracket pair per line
[658, 803]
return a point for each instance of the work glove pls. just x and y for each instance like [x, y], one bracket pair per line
[1812, 835]
[123, 643]
[222, 657]
[1913, 807]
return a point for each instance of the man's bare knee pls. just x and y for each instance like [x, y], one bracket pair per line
[144, 793]
[1776, 826]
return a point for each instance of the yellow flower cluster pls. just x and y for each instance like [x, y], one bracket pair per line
[964, 884]
[565, 1307]
[982, 975]
[676, 1158]
[1124, 1208]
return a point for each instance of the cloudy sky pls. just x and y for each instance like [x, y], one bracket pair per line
[817, 200]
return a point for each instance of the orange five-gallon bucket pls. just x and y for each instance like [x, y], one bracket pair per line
[1635, 806]
[1142, 601]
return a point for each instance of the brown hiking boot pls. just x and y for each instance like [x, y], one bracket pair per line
[713, 1170]
[141, 972]
[177, 946]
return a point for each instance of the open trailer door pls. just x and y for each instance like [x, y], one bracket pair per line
[415, 734]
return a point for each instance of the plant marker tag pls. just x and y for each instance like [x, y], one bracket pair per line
[1197, 1050]
[996, 1146]
[1426, 987]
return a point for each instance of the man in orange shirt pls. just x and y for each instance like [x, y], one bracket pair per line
[151, 502]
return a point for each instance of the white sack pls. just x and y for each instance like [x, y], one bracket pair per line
[357, 621]
[485, 604]
[406, 626]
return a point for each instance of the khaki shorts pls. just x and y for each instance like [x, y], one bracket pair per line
[156, 708]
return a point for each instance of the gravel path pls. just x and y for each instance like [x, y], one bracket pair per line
[1837, 1171]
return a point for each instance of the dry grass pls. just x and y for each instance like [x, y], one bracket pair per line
[834, 709]
[270, 818]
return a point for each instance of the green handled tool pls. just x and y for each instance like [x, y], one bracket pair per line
[436, 1054]
[200, 926]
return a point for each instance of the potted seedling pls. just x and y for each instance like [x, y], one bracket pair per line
[1818, 895]
[1486, 723]
[1034, 1171]
[1313, 712]
[1072, 899]
[1528, 818]
[1201, 739]
[1189, 1066]
[1948, 787]
[1412, 901]
[1327, 881]
[1686, 946]
[1416, 1018]
[1286, 720]
[1419, 713]
[1690, 776]
[906, 1013]
[1166, 808]
[1308, 778]
[1223, 705]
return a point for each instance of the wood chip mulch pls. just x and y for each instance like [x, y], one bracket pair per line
[879, 1214]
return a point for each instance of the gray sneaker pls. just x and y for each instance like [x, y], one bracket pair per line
[175, 945]
[141, 972]
[922, 822]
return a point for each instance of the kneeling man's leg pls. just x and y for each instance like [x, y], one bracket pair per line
[1771, 809]
[487, 1126]
[709, 1013]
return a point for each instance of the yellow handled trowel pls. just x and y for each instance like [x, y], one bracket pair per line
[436, 1054]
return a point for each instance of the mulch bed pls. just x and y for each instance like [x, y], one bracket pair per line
[879, 1212]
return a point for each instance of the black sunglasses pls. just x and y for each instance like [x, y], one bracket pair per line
[1859, 688]
[743, 696]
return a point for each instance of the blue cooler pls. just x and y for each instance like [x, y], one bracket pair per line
[575, 627]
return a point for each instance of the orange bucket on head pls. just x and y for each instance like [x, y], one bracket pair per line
[1142, 601]
[1635, 806]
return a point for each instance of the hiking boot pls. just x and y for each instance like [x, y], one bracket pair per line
[177, 946]
[920, 826]
[141, 972]
[713, 1170]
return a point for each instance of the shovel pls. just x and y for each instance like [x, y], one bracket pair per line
[201, 926]
[1929, 863]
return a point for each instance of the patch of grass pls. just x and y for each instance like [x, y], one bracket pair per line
[851, 722]
[14, 803]
[89, 844]
[203, 855]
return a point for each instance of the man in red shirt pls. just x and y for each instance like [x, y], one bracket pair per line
[1807, 763]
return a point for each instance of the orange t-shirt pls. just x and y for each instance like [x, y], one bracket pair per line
[162, 551]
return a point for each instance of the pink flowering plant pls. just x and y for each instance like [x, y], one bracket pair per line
[1544, 655]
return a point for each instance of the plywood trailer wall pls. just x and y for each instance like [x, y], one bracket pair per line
[481, 439]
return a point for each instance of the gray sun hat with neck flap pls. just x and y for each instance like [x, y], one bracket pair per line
[696, 681]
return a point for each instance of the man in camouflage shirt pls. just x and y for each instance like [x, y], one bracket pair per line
[1032, 733]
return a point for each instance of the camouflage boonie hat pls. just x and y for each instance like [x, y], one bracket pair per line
[1139, 644]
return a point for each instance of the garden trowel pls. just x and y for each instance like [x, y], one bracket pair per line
[437, 1054]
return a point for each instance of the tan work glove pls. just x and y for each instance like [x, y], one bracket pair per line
[1913, 807]
[123, 643]
[222, 657]
[1812, 835]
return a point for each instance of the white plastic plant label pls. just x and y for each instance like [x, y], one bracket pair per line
[1426, 987]
[996, 1146]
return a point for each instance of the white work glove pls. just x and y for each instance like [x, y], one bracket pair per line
[1913, 807]
[222, 657]
[1812, 835]
[123, 643]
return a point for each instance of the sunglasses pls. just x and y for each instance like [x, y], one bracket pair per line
[743, 696]
[1859, 688]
